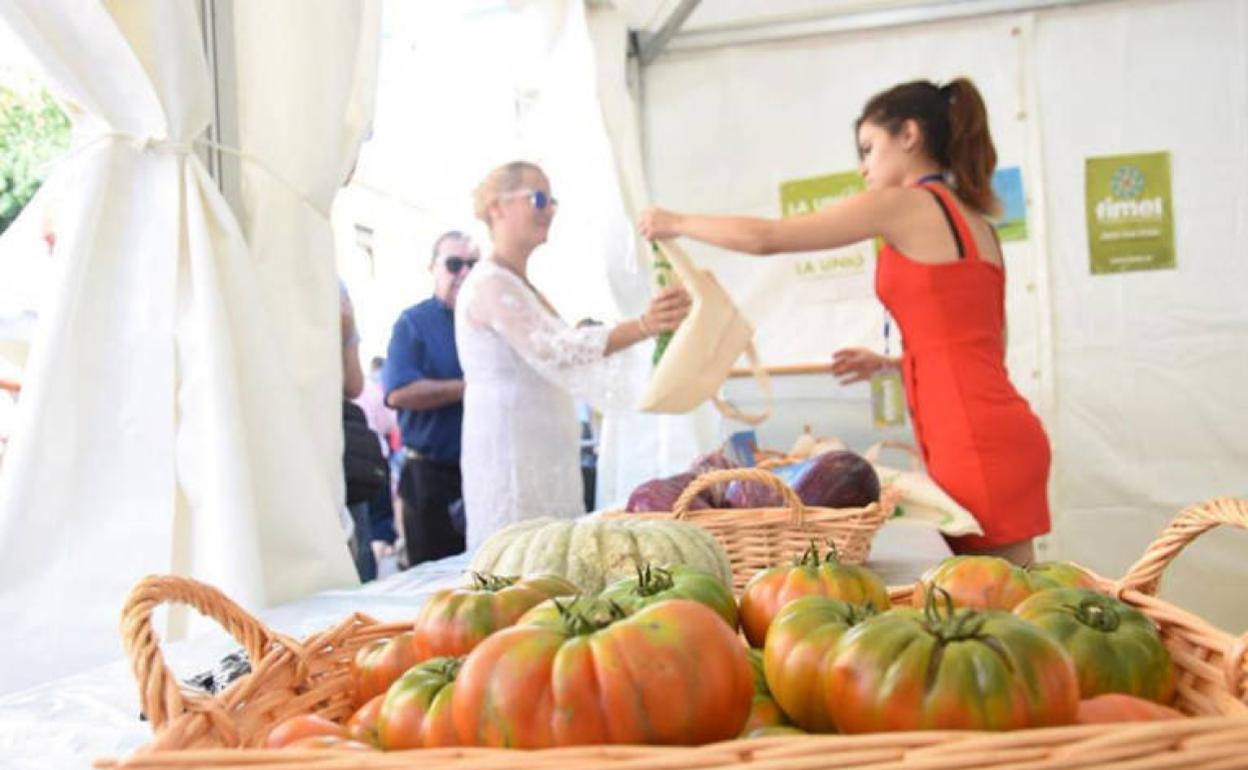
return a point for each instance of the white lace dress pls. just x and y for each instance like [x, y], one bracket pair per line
[523, 367]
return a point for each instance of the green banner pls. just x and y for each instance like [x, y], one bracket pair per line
[1130, 220]
[804, 196]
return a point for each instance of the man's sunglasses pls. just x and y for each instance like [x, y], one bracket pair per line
[539, 198]
[455, 264]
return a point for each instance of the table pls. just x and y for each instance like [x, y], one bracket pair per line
[67, 722]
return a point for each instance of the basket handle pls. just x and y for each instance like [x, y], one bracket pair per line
[872, 455]
[1145, 575]
[797, 509]
[160, 696]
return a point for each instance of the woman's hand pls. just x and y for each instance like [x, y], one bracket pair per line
[667, 309]
[657, 224]
[850, 365]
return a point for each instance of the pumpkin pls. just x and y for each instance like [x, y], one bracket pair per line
[655, 584]
[593, 552]
[672, 674]
[1116, 648]
[455, 620]
[769, 590]
[950, 669]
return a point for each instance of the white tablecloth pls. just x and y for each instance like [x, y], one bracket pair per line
[68, 722]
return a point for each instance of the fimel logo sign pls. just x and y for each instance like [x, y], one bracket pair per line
[1125, 202]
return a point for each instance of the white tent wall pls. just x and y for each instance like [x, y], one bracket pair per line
[1138, 377]
[160, 422]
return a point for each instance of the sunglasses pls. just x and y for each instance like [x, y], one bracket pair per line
[455, 264]
[539, 198]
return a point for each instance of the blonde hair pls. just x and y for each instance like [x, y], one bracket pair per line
[504, 179]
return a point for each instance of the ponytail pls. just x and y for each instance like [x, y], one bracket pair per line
[954, 123]
[972, 156]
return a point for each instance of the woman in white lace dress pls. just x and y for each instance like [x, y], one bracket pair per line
[523, 365]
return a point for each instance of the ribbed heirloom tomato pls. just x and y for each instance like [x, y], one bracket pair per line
[992, 583]
[455, 620]
[377, 664]
[800, 649]
[656, 584]
[417, 710]
[956, 669]
[1116, 648]
[673, 673]
[768, 591]
[764, 711]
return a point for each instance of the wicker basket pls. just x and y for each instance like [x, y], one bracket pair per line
[291, 678]
[757, 538]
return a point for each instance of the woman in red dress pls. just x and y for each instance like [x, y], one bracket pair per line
[927, 158]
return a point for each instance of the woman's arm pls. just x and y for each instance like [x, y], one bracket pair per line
[667, 309]
[846, 221]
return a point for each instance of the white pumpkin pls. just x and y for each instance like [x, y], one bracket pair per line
[593, 552]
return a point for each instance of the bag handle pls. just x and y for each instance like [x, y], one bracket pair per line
[797, 509]
[872, 455]
[731, 410]
[687, 274]
[160, 695]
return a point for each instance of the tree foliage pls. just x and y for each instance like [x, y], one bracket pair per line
[33, 130]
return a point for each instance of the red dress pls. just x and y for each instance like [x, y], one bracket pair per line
[979, 439]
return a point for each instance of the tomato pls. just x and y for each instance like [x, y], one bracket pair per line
[417, 708]
[800, 647]
[1116, 648]
[1116, 707]
[363, 726]
[768, 591]
[770, 730]
[673, 673]
[455, 620]
[764, 711]
[329, 743]
[978, 582]
[302, 726]
[656, 584]
[955, 669]
[1059, 574]
[379, 663]
[992, 583]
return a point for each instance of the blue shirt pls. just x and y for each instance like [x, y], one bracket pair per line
[422, 346]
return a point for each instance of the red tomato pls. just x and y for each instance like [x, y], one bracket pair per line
[302, 726]
[379, 663]
[417, 708]
[455, 620]
[1117, 707]
[950, 669]
[673, 673]
[768, 591]
[363, 724]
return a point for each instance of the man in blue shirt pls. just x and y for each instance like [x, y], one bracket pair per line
[423, 381]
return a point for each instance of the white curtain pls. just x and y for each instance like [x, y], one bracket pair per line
[161, 427]
[634, 447]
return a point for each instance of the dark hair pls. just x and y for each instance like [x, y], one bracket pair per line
[446, 236]
[954, 124]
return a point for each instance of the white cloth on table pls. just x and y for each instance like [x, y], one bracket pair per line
[523, 366]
